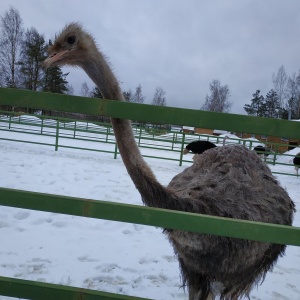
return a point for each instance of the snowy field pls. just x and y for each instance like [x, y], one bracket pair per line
[97, 254]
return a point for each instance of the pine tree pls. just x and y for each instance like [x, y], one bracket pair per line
[55, 80]
[272, 105]
[33, 54]
[128, 95]
[257, 106]
[96, 93]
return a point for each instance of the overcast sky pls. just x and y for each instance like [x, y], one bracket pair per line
[178, 45]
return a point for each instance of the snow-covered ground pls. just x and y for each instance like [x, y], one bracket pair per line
[97, 254]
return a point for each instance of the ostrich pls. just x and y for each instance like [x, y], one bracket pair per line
[261, 150]
[198, 147]
[229, 181]
[296, 162]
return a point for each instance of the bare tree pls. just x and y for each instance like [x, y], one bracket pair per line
[70, 89]
[138, 95]
[280, 81]
[217, 101]
[293, 96]
[159, 97]
[292, 87]
[10, 44]
[85, 90]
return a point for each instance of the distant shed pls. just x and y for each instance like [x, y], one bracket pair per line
[284, 144]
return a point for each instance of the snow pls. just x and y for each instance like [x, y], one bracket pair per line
[104, 255]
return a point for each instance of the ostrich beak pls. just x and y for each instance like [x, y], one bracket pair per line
[185, 151]
[53, 59]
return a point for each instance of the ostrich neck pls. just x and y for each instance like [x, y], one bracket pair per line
[151, 190]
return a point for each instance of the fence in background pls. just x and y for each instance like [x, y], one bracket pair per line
[164, 141]
[131, 213]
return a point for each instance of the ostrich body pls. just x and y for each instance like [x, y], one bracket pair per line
[296, 162]
[229, 181]
[198, 147]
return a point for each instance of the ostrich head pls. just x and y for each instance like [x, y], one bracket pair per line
[73, 47]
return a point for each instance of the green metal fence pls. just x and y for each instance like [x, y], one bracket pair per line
[131, 213]
[164, 141]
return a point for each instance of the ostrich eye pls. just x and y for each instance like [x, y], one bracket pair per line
[71, 39]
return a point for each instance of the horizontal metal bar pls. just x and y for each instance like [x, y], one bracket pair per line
[34, 290]
[150, 113]
[152, 216]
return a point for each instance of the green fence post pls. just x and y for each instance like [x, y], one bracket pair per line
[140, 136]
[274, 158]
[182, 147]
[42, 126]
[107, 132]
[116, 151]
[9, 125]
[173, 140]
[74, 135]
[56, 135]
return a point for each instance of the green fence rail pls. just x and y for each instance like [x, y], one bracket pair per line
[149, 113]
[131, 213]
[34, 290]
[151, 216]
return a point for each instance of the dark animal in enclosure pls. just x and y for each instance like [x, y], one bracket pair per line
[296, 162]
[262, 151]
[198, 147]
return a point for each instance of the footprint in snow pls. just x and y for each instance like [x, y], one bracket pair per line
[86, 258]
[21, 215]
[148, 260]
[169, 258]
[107, 268]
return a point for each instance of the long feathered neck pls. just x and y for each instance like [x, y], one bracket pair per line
[152, 192]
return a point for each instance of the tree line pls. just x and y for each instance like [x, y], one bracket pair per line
[281, 102]
[22, 52]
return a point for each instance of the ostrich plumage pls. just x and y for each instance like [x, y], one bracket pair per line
[229, 181]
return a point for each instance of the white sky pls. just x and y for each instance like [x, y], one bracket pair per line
[181, 46]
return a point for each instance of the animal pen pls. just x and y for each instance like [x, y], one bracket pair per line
[130, 213]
